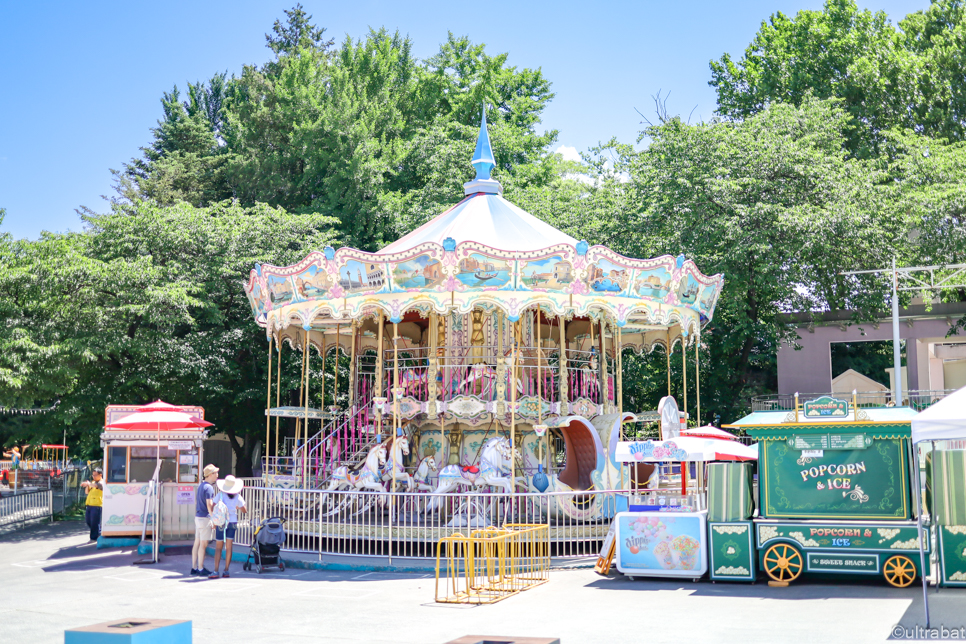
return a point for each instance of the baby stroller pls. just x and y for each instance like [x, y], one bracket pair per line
[269, 537]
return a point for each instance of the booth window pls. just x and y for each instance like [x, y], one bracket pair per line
[143, 460]
[188, 466]
[117, 465]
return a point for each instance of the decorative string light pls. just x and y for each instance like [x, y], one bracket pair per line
[28, 411]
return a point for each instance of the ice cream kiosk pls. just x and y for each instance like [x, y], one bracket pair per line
[130, 458]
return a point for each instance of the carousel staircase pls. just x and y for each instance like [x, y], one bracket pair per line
[345, 440]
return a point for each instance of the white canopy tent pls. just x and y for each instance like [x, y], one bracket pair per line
[945, 420]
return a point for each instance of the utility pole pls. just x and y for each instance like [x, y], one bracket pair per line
[912, 283]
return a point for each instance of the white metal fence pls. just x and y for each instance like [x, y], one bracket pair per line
[409, 525]
[18, 510]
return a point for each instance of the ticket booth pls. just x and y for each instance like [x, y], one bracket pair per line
[130, 458]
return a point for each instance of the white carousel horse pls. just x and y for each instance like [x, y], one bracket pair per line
[396, 463]
[368, 476]
[426, 468]
[481, 380]
[496, 469]
[411, 380]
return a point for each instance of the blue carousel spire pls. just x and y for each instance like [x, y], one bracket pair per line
[484, 162]
[483, 159]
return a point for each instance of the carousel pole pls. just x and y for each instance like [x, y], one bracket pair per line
[697, 373]
[352, 369]
[602, 375]
[338, 346]
[324, 349]
[268, 402]
[298, 421]
[278, 394]
[684, 371]
[546, 450]
[501, 376]
[380, 364]
[667, 354]
[305, 427]
[395, 399]
[513, 402]
[619, 364]
[620, 377]
[562, 366]
[447, 378]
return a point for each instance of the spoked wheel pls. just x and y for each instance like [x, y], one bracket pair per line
[899, 571]
[783, 562]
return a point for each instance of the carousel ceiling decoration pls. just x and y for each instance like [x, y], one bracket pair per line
[484, 252]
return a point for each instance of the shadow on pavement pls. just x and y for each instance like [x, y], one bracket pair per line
[45, 532]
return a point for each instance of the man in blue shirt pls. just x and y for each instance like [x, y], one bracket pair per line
[204, 532]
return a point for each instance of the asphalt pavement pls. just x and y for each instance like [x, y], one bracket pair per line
[50, 582]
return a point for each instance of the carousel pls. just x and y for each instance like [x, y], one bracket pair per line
[480, 352]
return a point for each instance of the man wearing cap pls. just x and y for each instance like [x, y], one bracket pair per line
[95, 503]
[203, 528]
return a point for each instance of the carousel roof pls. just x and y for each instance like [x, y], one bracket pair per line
[488, 219]
[486, 252]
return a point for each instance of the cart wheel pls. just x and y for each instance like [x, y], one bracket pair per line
[899, 571]
[258, 567]
[281, 566]
[247, 566]
[783, 562]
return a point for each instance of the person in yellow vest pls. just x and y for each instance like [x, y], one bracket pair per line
[95, 501]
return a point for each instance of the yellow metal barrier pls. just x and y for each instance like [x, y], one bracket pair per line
[493, 563]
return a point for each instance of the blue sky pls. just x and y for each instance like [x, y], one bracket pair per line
[81, 82]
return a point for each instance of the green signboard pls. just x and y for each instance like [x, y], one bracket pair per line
[832, 482]
[826, 407]
[835, 562]
[886, 537]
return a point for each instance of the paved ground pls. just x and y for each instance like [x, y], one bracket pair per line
[50, 582]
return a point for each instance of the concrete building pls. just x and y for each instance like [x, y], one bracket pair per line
[934, 361]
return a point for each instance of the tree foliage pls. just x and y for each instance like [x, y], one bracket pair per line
[146, 303]
[839, 145]
[910, 77]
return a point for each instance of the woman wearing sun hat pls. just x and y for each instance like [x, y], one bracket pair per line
[229, 489]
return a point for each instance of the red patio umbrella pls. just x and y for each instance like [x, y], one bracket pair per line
[160, 405]
[709, 431]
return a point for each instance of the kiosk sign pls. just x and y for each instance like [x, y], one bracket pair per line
[826, 408]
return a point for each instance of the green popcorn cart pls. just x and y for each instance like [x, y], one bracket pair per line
[834, 494]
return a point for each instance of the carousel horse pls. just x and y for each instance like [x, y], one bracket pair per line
[426, 468]
[411, 380]
[366, 476]
[495, 468]
[396, 462]
[481, 381]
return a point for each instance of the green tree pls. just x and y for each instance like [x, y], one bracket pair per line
[186, 160]
[839, 52]
[773, 203]
[148, 303]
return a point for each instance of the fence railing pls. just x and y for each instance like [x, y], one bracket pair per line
[916, 398]
[408, 525]
[18, 510]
